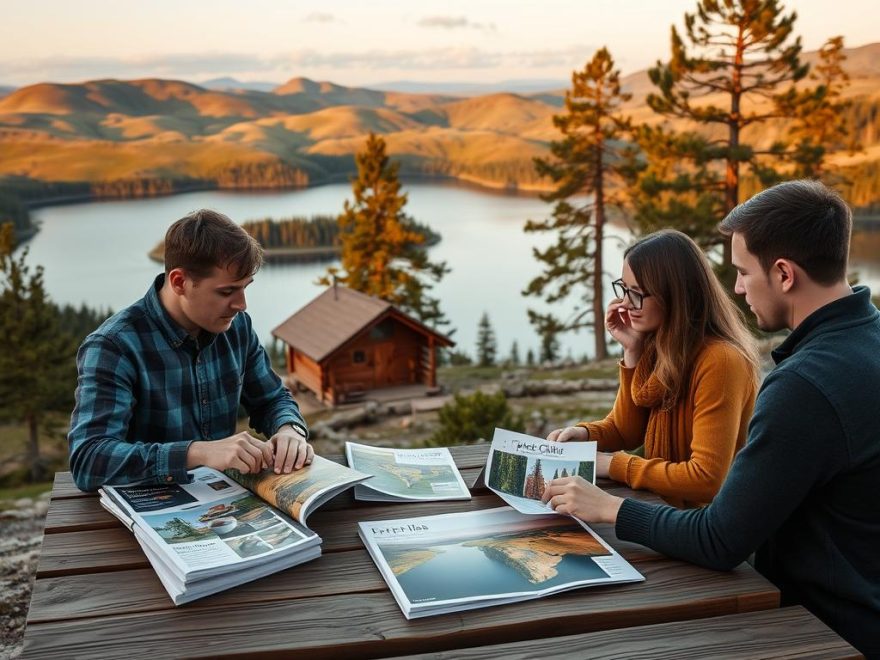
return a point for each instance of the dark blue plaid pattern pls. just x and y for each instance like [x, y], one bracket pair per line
[147, 390]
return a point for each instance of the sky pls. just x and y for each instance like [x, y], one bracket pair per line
[360, 43]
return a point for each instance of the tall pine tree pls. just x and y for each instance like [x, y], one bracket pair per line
[382, 253]
[821, 128]
[586, 169]
[735, 72]
[37, 366]
[487, 346]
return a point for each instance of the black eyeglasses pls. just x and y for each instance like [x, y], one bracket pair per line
[636, 298]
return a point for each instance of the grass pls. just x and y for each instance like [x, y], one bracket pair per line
[601, 370]
[9, 495]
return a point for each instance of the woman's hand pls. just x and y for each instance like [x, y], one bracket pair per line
[618, 324]
[603, 464]
[569, 433]
[574, 496]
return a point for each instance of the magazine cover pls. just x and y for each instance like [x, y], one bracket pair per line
[300, 492]
[400, 475]
[520, 466]
[459, 561]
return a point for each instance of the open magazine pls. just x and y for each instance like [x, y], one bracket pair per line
[461, 561]
[519, 467]
[406, 475]
[222, 530]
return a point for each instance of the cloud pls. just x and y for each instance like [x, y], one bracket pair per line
[196, 66]
[321, 17]
[454, 23]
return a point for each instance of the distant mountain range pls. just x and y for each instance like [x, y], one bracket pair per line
[228, 133]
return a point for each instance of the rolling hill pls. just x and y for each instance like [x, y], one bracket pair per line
[115, 135]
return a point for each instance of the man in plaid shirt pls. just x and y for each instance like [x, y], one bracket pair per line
[160, 382]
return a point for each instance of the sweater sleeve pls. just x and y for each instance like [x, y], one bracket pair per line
[722, 389]
[786, 456]
[624, 427]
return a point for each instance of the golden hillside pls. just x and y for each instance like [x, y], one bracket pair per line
[306, 131]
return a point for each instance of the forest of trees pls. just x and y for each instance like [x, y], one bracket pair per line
[317, 231]
[38, 360]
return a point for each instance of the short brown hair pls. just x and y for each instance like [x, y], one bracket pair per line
[206, 239]
[804, 221]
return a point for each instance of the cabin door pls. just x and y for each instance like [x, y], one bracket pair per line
[383, 373]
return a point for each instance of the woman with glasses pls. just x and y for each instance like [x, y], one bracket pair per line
[688, 376]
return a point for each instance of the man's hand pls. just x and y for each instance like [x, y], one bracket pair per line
[574, 496]
[241, 451]
[291, 450]
[603, 464]
[569, 433]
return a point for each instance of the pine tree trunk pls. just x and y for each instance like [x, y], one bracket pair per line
[598, 297]
[33, 454]
[731, 186]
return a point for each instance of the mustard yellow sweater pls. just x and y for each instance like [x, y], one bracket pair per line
[690, 447]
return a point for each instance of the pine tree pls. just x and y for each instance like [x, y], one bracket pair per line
[742, 51]
[487, 348]
[821, 128]
[37, 366]
[587, 163]
[586, 470]
[514, 359]
[530, 358]
[549, 346]
[383, 254]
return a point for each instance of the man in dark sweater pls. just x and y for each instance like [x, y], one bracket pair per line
[803, 493]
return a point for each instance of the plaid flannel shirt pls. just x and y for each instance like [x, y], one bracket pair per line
[147, 390]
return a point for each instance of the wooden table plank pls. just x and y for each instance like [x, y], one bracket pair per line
[97, 594]
[371, 624]
[470, 459]
[780, 633]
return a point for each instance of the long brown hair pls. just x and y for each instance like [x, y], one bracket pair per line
[670, 267]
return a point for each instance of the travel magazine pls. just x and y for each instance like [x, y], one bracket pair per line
[224, 529]
[406, 475]
[461, 561]
[519, 467]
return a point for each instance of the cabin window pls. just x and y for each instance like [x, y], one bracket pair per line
[358, 357]
[382, 331]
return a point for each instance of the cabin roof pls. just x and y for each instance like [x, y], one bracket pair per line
[335, 316]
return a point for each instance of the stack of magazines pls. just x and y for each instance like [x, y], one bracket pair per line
[222, 530]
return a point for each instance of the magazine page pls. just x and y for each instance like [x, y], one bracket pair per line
[520, 466]
[459, 561]
[400, 475]
[301, 491]
[204, 527]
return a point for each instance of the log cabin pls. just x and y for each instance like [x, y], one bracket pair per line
[344, 344]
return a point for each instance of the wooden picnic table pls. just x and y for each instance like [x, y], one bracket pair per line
[96, 596]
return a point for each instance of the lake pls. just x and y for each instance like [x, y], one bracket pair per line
[96, 253]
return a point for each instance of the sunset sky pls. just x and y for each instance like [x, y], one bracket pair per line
[359, 43]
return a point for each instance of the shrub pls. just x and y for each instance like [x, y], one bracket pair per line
[469, 418]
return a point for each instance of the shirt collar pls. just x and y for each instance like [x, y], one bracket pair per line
[174, 333]
[855, 308]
